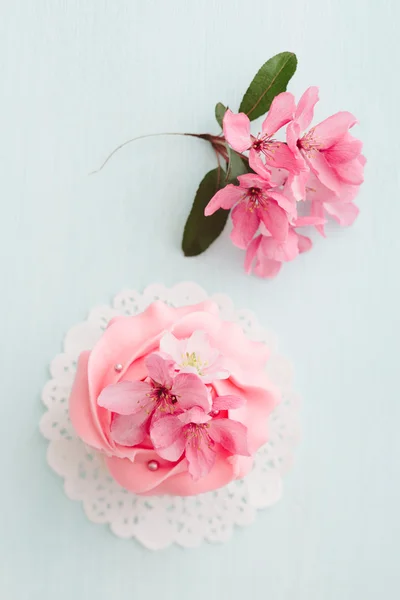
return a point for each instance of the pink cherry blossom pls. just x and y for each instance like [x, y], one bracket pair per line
[265, 255]
[197, 435]
[136, 403]
[328, 149]
[194, 355]
[275, 153]
[325, 201]
[255, 201]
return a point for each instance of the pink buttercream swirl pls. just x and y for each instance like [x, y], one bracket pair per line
[188, 409]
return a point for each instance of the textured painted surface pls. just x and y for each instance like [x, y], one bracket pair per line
[79, 77]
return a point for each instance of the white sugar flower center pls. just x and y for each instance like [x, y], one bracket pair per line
[192, 359]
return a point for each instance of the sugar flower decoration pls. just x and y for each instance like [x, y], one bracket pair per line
[197, 435]
[176, 399]
[194, 355]
[137, 403]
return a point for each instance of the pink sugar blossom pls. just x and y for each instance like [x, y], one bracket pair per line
[194, 355]
[137, 403]
[275, 153]
[328, 149]
[255, 201]
[197, 435]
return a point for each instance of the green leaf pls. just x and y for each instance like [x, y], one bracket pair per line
[201, 231]
[237, 165]
[220, 110]
[271, 80]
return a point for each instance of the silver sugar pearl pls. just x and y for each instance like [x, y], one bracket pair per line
[118, 367]
[214, 413]
[152, 465]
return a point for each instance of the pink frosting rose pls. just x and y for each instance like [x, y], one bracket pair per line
[176, 398]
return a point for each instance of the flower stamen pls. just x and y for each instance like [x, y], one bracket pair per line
[163, 400]
[309, 143]
[255, 198]
[193, 360]
[265, 145]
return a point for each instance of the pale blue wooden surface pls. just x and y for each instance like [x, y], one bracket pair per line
[79, 77]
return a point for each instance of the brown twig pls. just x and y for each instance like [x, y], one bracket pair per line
[140, 137]
[217, 142]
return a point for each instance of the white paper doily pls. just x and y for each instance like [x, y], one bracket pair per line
[158, 522]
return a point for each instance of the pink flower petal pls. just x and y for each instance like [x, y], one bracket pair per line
[305, 108]
[159, 369]
[245, 224]
[216, 370]
[346, 149]
[344, 213]
[174, 452]
[237, 130]
[172, 346]
[264, 266]
[251, 180]
[201, 458]
[281, 112]
[293, 132]
[264, 231]
[309, 221]
[194, 415]
[199, 344]
[323, 170]
[332, 129]
[278, 177]
[256, 163]
[282, 157]
[129, 430]
[165, 430]
[295, 186]
[228, 402]
[267, 268]
[125, 397]
[280, 251]
[210, 375]
[351, 172]
[232, 435]
[275, 220]
[304, 243]
[225, 198]
[251, 253]
[190, 391]
[189, 369]
[167, 435]
[283, 201]
[318, 191]
[348, 193]
[317, 211]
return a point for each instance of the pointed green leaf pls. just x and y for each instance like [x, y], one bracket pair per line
[220, 110]
[271, 80]
[237, 165]
[201, 231]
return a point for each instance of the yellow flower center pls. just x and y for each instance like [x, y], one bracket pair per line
[193, 360]
[309, 143]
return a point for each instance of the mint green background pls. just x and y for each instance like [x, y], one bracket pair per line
[78, 78]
